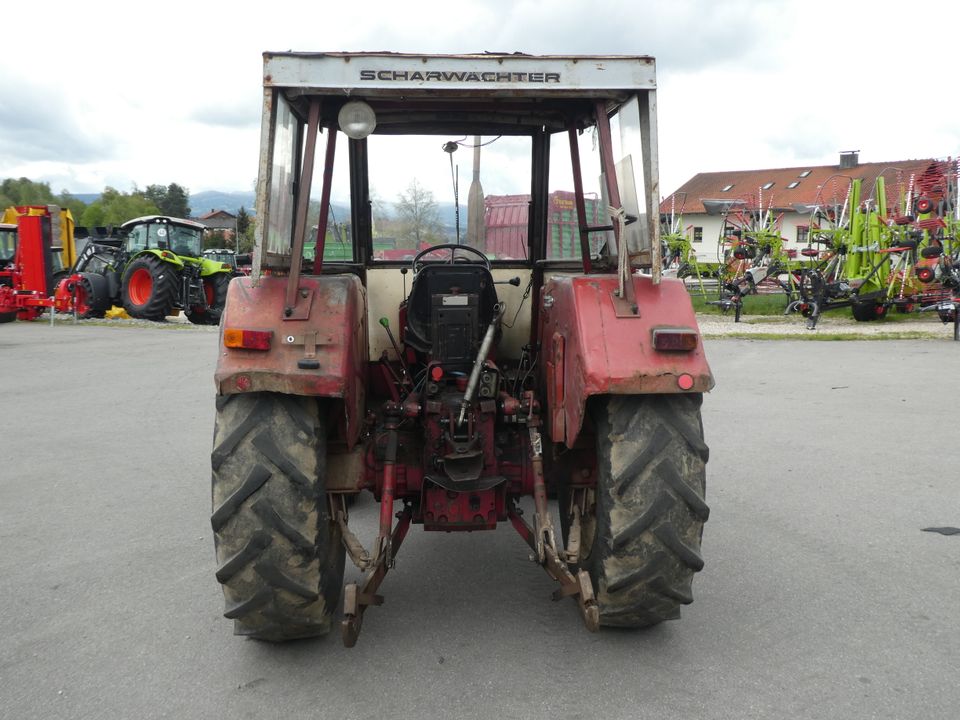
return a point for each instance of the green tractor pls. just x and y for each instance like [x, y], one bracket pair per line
[156, 271]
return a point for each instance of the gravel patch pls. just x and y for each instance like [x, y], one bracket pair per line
[926, 326]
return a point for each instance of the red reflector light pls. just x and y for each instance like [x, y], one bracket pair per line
[685, 381]
[675, 339]
[436, 373]
[247, 339]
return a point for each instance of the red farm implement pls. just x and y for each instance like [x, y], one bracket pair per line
[27, 262]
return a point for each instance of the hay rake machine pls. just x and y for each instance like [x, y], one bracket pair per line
[678, 251]
[866, 257]
[750, 251]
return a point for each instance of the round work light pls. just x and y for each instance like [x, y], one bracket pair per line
[357, 119]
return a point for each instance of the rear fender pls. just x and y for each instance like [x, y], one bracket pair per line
[588, 348]
[321, 350]
[164, 255]
[212, 267]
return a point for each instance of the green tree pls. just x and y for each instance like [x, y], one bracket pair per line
[157, 194]
[115, 207]
[178, 201]
[23, 191]
[76, 207]
[172, 200]
[419, 217]
[215, 239]
[244, 231]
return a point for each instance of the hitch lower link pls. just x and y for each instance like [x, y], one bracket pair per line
[357, 599]
[542, 540]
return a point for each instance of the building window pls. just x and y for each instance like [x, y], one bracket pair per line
[792, 185]
[767, 186]
[726, 188]
[697, 234]
[803, 232]
[804, 174]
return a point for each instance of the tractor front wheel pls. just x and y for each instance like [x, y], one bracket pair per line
[150, 288]
[280, 553]
[215, 293]
[641, 541]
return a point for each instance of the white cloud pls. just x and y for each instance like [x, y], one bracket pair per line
[175, 96]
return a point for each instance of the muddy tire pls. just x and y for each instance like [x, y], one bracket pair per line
[215, 288]
[150, 288]
[280, 557]
[641, 547]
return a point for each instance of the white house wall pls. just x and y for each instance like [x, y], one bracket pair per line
[712, 224]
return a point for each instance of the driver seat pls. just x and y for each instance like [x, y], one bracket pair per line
[448, 310]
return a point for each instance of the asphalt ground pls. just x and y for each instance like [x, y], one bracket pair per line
[822, 596]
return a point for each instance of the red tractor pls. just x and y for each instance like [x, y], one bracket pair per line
[476, 373]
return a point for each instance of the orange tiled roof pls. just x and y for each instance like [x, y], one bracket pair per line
[825, 184]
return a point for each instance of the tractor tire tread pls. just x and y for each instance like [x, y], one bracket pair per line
[247, 554]
[281, 557]
[98, 300]
[211, 315]
[650, 507]
[165, 288]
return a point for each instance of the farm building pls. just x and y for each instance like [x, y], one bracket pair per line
[701, 203]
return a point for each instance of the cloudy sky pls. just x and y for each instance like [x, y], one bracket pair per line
[96, 95]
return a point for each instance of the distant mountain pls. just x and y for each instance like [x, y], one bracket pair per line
[209, 200]
[201, 202]
[85, 198]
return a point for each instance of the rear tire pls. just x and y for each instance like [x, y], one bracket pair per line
[279, 553]
[642, 545]
[150, 288]
[215, 288]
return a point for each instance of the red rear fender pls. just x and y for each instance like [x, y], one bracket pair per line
[320, 350]
[590, 348]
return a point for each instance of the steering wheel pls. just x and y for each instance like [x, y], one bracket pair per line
[415, 263]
